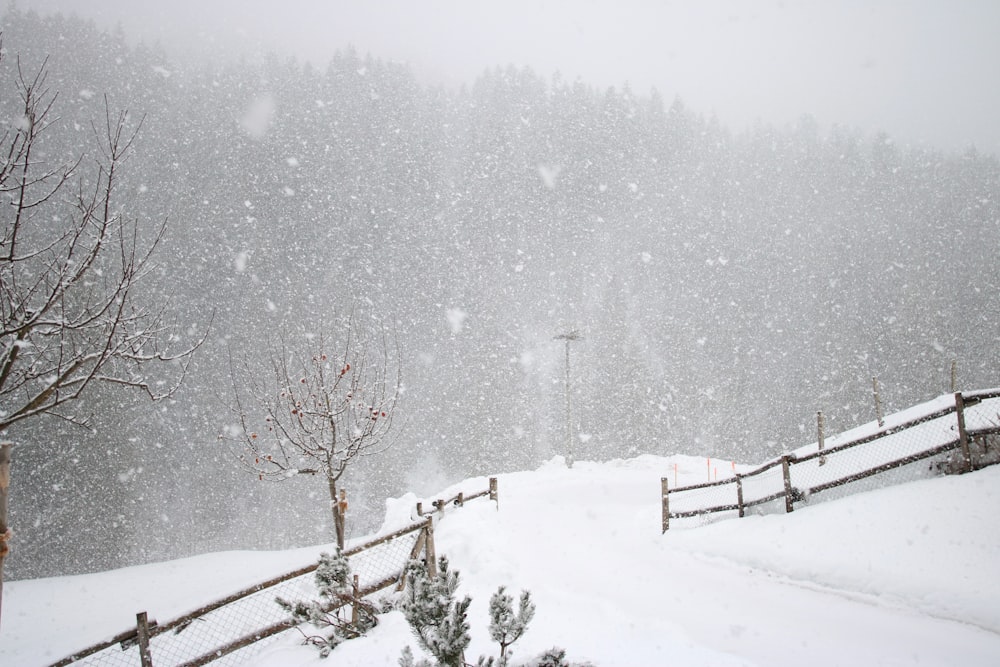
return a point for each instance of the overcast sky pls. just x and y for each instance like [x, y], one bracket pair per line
[926, 71]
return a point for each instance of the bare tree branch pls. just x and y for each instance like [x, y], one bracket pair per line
[317, 413]
[71, 269]
[71, 273]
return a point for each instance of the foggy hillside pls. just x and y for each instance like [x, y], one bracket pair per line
[726, 286]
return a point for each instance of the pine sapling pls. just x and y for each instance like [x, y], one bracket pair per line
[406, 659]
[332, 576]
[554, 657]
[506, 627]
[437, 619]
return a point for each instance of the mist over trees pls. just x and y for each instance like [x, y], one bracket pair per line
[726, 286]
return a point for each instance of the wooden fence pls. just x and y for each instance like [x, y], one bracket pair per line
[171, 643]
[460, 499]
[961, 433]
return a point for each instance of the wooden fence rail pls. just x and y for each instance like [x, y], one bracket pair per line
[152, 629]
[148, 629]
[939, 439]
[459, 499]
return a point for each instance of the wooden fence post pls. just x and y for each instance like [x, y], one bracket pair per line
[142, 632]
[786, 473]
[739, 495]
[878, 402]
[460, 499]
[5, 448]
[963, 436]
[429, 554]
[494, 496]
[820, 436]
[665, 495]
[355, 602]
[418, 546]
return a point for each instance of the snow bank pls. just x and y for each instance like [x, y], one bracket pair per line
[902, 575]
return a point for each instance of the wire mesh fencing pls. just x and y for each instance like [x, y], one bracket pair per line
[959, 437]
[229, 631]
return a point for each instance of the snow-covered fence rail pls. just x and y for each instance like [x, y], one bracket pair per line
[954, 433]
[459, 499]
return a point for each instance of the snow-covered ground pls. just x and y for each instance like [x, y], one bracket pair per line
[908, 575]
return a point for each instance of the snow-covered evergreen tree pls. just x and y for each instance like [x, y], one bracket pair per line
[407, 660]
[554, 657]
[333, 576]
[506, 627]
[437, 618]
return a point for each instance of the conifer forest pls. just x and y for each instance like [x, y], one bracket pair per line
[725, 284]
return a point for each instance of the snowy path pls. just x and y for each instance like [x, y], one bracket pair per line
[637, 598]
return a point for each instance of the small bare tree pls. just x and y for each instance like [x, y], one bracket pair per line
[319, 413]
[71, 265]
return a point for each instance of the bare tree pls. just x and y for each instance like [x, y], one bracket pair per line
[71, 267]
[319, 412]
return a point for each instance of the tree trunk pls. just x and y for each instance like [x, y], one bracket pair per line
[338, 516]
[5, 448]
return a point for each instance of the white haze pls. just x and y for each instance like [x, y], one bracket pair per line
[924, 71]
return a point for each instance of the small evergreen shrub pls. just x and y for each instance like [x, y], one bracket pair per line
[554, 657]
[506, 627]
[333, 575]
[438, 620]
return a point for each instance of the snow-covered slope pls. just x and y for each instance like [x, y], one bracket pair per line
[903, 575]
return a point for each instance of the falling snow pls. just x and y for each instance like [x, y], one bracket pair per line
[728, 281]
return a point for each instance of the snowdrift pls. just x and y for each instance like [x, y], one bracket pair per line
[900, 575]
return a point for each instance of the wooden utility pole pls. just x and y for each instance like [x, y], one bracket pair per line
[569, 337]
